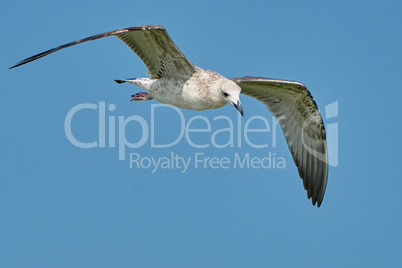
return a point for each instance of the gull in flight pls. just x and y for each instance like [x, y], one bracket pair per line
[176, 81]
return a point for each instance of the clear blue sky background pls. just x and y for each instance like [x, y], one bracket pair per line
[62, 206]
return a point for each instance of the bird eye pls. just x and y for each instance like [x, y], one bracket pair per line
[225, 94]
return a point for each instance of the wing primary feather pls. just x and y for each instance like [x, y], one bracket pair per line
[297, 113]
[150, 42]
[50, 51]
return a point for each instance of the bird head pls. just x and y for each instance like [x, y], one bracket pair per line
[230, 93]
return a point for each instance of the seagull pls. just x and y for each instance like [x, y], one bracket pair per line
[174, 80]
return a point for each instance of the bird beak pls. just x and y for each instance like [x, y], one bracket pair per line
[238, 107]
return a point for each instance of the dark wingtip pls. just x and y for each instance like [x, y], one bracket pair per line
[12, 67]
[21, 63]
[316, 201]
[119, 81]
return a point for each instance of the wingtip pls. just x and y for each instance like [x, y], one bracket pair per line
[20, 63]
[317, 201]
[27, 60]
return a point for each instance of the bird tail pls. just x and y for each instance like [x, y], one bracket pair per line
[121, 81]
[144, 83]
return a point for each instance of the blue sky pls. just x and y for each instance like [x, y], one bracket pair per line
[64, 206]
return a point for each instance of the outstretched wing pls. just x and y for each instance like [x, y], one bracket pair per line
[150, 42]
[301, 123]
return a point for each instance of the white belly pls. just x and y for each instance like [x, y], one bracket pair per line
[184, 94]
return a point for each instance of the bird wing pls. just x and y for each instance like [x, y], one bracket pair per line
[292, 104]
[150, 42]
